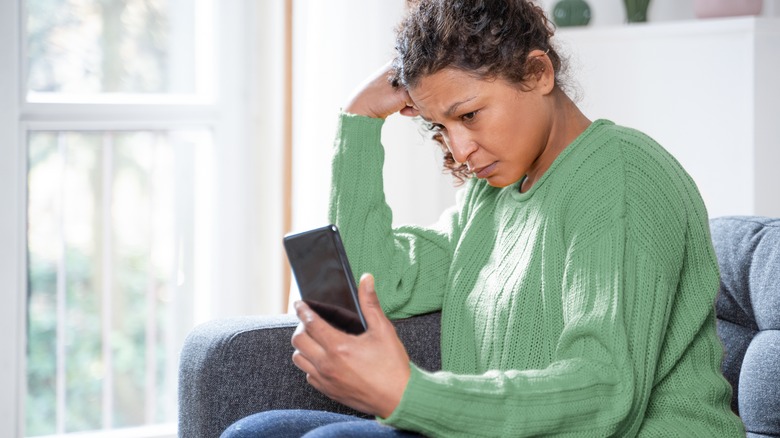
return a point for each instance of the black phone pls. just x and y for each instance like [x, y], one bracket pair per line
[321, 270]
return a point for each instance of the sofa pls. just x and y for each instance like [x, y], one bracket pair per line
[233, 367]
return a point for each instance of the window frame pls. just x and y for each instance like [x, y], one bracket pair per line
[110, 112]
[12, 251]
[245, 86]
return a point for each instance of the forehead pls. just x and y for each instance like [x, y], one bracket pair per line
[442, 83]
[436, 94]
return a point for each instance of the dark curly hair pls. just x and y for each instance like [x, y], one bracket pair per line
[487, 38]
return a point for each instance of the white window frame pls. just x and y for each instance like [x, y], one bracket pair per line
[12, 230]
[247, 119]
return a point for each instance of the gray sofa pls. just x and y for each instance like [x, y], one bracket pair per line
[234, 367]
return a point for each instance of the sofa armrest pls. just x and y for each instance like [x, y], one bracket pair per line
[234, 367]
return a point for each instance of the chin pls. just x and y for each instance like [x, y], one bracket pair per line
[499, 182]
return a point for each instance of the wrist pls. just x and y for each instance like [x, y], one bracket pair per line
[394, 399]
[360, 110]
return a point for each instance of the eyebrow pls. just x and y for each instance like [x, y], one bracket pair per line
[454, 107]
[451, 110]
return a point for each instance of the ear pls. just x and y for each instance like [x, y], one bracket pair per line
[542, 73]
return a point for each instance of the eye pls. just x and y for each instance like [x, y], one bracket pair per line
[469, 117]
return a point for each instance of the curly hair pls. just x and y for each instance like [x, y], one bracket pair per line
[487, 38]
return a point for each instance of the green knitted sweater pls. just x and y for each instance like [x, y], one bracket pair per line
[582, 307]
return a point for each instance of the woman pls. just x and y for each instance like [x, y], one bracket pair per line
[575, 275]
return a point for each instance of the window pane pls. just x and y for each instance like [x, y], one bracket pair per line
[114, 232]
[114, 46]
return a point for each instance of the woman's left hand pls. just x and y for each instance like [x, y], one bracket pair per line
[368, 372]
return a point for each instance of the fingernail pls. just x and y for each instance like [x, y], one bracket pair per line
[304, 313]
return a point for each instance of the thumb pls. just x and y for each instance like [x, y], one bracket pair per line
[369, 303]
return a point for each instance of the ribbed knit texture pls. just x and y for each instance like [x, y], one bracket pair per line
[583, 307]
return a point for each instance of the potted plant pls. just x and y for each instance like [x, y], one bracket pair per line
[636, 10]
[571, 13]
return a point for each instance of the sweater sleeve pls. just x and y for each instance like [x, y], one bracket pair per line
[402, 260]
[623, 259]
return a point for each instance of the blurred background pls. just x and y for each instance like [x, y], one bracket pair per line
[154, 152]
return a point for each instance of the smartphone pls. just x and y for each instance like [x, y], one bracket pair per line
[321, 270]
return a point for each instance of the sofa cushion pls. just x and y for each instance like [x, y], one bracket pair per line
[748, 310]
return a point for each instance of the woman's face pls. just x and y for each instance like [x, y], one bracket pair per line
[498, 130]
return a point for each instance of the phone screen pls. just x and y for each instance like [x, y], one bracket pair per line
[321, 270]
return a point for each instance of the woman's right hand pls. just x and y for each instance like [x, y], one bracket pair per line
[377, 98]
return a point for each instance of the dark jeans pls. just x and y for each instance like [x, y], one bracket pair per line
[309, 424]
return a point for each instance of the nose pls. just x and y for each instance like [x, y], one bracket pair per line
[461, 145]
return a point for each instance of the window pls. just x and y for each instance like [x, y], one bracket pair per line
[118, 223]
[142, 146]
[135, 200]
[114, 231]
[88, 47]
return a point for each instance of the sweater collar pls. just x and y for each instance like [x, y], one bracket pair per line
[524, 196]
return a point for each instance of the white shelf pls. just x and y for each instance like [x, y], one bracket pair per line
[678, 28]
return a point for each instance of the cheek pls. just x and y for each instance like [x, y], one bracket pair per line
[511, 139]
[530, 127]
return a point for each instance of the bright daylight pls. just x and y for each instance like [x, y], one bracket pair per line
[568, 209]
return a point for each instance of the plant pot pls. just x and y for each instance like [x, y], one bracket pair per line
[571, 13]
[726, 8]
[636, 10]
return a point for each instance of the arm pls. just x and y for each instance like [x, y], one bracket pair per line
[404, 259]
[369, 372]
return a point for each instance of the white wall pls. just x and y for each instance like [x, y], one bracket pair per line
[337, 45]
[262, 243]
[245, 260]
[716, 114]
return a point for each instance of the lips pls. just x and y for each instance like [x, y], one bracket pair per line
[484, 172]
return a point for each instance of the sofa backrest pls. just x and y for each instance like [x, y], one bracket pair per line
[748, 311]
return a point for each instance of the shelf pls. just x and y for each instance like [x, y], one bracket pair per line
[681, 28]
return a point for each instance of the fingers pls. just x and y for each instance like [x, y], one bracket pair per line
[310, 320]
[303, 363]
[311, 336]
[308, 368]
[410, 111]
[315, 341]
[369, 302]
